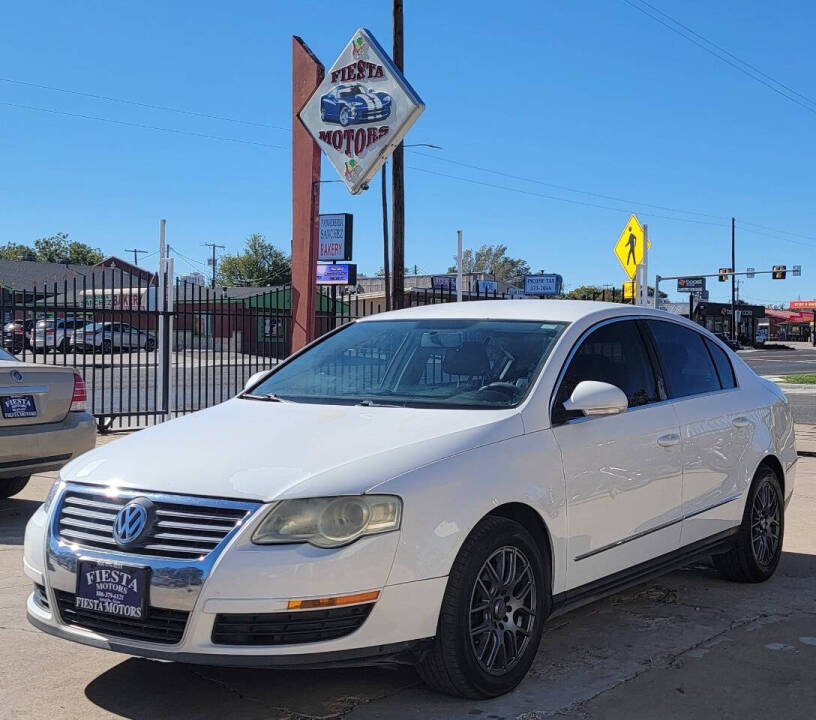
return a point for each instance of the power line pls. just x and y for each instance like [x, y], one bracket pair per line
[142, 126]
[751, 74]
[150, 106]
[730, 54]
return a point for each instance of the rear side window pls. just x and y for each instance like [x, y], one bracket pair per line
[723, 365]
[614, 353]
[686, 361]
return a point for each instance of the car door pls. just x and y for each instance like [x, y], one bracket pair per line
[623, 473]
[715, 426]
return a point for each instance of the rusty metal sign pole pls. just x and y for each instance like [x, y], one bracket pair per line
[307, 74]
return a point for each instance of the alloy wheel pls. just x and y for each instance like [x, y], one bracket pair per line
[502, 610]
[765, 524]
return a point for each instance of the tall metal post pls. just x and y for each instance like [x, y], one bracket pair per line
[733, 285]
[386, 259]
[161, 306]
[398, 182]
[644, 297]
[656, 291]
[459, 266]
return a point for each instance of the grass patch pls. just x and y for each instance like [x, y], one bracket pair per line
[805, 379]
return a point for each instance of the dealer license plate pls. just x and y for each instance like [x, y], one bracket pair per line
[18, 406]
[111, 589]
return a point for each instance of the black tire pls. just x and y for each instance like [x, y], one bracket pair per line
[107, 346]
[758, 546]
[11, 486]
[150, 345]
[452, 665]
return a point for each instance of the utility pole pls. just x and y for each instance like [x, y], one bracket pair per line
[213, 246]
[398, 181]
[135, 252]
[386, 260]
[733, 285]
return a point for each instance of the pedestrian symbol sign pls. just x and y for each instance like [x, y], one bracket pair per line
[629, 248]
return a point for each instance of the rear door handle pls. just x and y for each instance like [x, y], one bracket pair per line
[740, 422]
[668, 440]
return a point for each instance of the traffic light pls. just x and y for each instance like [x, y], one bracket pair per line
[724, 273]
[778, 272]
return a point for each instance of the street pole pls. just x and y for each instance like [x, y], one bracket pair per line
[213, 246]
[135, 252]
[733, 285]
[657, 290]
[386, 260]
[459, 266]
[398, 182]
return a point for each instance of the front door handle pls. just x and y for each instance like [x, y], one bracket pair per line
[668, 440]
[740, 422]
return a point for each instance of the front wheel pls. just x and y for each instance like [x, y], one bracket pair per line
[496, 600]
[758, 546]
[11, 486]
[150, 345]
[107, 346]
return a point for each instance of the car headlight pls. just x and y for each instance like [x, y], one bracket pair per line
[329, 522]
[52, 493]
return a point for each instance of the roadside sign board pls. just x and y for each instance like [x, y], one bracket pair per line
[628, 290]
[803, 304]
[487, 287]
[361, 110]
[691, 284]
[335, 237]
[547, 284]
[337, 274]
[443, 282]
[629, 247]
[797, 271]
[750, 273]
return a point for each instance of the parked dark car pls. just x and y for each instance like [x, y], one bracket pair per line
[733, 344]
[16, 335]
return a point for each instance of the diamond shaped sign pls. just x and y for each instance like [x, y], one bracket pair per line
[361, 110]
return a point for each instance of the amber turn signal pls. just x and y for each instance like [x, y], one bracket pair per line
[334, 601]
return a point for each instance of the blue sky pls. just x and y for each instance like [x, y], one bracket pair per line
[590, 95]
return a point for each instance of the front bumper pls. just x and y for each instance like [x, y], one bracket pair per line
[28, 449]
[243, 579]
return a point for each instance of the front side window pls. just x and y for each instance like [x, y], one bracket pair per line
[419, 363]
[616, 354]
[686, 362]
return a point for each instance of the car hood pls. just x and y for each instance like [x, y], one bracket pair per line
[267, 450]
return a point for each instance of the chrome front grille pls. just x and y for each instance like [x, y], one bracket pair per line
[185, 526]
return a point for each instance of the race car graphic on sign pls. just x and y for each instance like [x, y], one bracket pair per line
[353, 104]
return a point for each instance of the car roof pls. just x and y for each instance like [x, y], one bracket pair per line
[568, 311]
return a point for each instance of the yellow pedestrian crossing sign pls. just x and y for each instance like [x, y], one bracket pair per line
[629, 248]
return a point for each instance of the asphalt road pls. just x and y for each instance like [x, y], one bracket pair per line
[688, 645]
[778, 363]
[781, 362]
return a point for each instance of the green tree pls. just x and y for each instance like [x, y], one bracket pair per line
[56, 248]
[493, 259]
[260, 264]
[15, 251]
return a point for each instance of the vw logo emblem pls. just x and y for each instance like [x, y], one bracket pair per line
[131, 521]
[17, 376]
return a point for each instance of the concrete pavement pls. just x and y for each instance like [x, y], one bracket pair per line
[688, 645]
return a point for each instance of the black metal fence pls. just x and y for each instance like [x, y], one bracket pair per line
[150, 351]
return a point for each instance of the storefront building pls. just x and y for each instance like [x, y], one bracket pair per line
[716, 317]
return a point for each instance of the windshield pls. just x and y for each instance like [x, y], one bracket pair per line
[419, 363]
[351, 90]
[94, 326]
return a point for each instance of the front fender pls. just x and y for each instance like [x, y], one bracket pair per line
[444, 501]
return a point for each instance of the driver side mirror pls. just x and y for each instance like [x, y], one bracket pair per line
[255, 379]
[592, 397]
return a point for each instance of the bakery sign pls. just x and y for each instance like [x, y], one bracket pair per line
[361, 111]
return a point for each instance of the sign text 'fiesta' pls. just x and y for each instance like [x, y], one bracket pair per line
[361, 110]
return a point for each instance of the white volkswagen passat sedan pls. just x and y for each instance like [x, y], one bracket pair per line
[422, 486]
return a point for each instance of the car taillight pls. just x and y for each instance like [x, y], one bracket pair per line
[79, 400]
[49, 331]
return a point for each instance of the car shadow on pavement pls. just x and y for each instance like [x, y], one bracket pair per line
[582, 654]
[146, 689]
[14, 514]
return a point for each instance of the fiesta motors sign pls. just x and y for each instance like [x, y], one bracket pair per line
[361, 111]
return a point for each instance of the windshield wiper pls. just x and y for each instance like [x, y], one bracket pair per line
[374, 403]
[269, 397]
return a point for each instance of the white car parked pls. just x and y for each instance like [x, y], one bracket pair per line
[422, 486]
